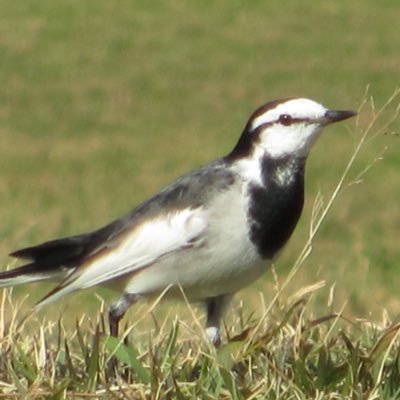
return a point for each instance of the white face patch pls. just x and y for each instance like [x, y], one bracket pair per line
[295, 139]
[296, 108]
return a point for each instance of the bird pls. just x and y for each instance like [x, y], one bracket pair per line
[208, 234]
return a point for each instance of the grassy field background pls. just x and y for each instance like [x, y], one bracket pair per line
[102, 103]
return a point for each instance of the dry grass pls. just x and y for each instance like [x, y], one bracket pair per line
[286, 355]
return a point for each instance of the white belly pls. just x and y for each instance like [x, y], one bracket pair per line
[223, 263]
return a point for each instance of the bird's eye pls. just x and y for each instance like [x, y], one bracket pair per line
[285, 119]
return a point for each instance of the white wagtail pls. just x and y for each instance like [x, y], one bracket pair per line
[210, 233]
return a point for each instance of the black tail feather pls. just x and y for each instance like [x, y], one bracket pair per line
[23, 270]
[56, 258]
[59, 249]
[49, 260]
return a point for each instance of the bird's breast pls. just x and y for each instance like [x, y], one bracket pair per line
[274, 210]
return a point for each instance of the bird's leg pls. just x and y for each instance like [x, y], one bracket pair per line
[118, 310]
[115, 314]
[215, 307]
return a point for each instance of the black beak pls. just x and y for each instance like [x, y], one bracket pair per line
[338, 115]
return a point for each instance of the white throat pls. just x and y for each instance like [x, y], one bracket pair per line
[279, 141]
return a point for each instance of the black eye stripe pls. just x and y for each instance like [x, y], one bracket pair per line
[251, 135]
[258, 129]
[286, 120]
[265, 125]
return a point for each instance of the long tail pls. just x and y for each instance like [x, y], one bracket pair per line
[29, 273]
[53, 260]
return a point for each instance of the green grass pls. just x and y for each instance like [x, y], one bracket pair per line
[102, 103]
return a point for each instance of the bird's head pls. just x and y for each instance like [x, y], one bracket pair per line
[288, 127]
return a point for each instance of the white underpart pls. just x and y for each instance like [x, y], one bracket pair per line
[278, 140]
[225, 262]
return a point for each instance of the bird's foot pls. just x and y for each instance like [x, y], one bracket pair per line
[213, 334]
